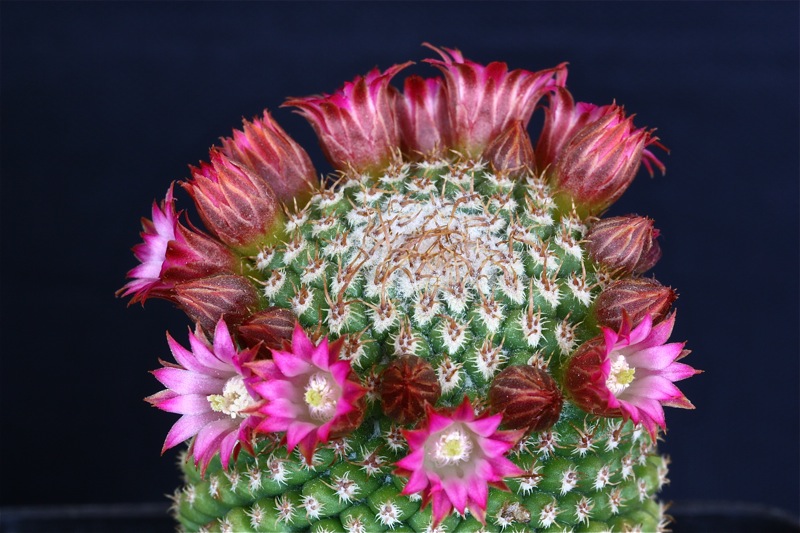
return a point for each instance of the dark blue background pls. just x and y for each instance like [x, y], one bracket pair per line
[104, 104]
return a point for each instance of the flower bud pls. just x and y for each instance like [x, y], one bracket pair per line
[485, 99]
[635, 297]
[511, 152]
[237, 206]
[626, 244]
[407, 385]
[193, 255]
[528, 398]
[599, 163]
[266, 150]
[206, 300]
[585, 389]
[423, 117]
[357, 125]
[269, 327]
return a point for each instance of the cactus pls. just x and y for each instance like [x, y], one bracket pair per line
[443, 335]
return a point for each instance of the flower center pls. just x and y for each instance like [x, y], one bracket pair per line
[621, 375]
[320, 397]
[233, 400]
[452, 448]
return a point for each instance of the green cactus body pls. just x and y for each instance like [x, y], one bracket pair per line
[471, 271]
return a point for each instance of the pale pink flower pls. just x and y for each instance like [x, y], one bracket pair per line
[630, 373]
[454, 459]
[485, 99]
[309, 393]
[208, 388]
[357, 125]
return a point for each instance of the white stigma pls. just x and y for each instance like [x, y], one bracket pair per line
[233, 400]
[321, 396]
[621, 375]
[452, 448]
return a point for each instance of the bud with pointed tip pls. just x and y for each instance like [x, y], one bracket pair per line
[270, 327]
[625, 244]
[237, 206]
[407, 386]
[206, 300]
[357, 125]
[266, 150]
[528, 398]
[601, 160]
[485, 99]
[635, 297]
[512, 151]
[422, 113]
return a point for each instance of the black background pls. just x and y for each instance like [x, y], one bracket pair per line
[104, 104]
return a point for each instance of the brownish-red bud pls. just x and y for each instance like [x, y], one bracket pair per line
[269, 327]
[237, 206]
[512, 151]
[624, 244]
[407, 386]
[528, 398]
[636, 297]
[264, 148]
[232, 298]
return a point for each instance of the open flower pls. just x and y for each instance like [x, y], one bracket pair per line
[208, 388]
[310, 394]
[455, 458]
[630, 373]
[172, 253]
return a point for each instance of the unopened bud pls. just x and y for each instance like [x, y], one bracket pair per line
[636, 297]
[625, 244]
[528, 398]
[407, 386]
[206, 300]
[269, 327]
[512, 151]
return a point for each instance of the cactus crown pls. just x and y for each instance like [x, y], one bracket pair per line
[421, 345]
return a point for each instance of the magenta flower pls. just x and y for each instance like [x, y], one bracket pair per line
[356, 125]
[630, 373]
[485, 100]
[424, 117]
[208, 388]
[172, 253]
[455, 458]
[310, 394]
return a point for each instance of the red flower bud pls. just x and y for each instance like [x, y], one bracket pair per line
[356, 126]
[269, 327]
[407, 386]
[485, 100]
[626, 244]
[512, 151]
[206, 300]
[528, 398]
[266, 150]
[588, 391]
[423, 117]
[235, 205]
[600, 161]
[193, 255]
[636, 297]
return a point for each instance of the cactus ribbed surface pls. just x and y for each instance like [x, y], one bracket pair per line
[453, 366]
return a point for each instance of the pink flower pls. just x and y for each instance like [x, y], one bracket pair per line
[208, 388]
[310, 394]
[630, 373]
[171, 253]
[357, 125]
[485, 100]
[424, 118]
[455, 458]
